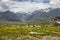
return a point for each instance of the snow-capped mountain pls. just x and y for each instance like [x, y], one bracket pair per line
[46, 13]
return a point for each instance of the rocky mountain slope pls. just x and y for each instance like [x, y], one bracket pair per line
[46, 13]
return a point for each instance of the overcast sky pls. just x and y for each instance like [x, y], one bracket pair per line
[27, 5]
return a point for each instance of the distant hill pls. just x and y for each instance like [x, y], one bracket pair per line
[43, 14]
[10, 16]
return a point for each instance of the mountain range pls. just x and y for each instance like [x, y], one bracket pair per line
[42, 13]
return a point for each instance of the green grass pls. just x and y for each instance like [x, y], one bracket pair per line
[15, 29]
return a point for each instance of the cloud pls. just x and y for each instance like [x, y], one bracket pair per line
[55, 3]
[26, 7]
[33, 0]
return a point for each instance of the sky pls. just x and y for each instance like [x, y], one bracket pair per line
[27, 6]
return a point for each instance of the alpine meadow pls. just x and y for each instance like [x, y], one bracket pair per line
[29, 19]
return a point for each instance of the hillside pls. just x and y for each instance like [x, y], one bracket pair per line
[28, 31]
[38, 14]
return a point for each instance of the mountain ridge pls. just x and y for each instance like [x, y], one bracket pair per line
[10, 16]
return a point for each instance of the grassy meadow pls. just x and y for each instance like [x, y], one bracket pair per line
[28, 30]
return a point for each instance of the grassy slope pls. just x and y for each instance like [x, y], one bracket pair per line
[15, 29]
